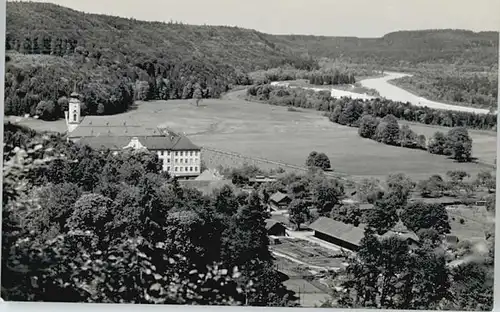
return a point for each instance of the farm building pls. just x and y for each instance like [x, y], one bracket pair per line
[275, 228]
[180, 157]
[279, 201]
[401, 231]
[343, 235]
[451, 240]
[349, 236]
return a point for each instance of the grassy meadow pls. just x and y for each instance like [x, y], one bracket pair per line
[274, 133]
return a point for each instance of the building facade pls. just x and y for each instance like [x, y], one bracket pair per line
[179, 156]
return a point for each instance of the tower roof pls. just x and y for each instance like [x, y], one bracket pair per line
[75, 95]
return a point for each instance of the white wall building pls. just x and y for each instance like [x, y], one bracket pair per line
[180, 157]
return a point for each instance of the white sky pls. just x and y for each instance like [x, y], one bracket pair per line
[360, 18]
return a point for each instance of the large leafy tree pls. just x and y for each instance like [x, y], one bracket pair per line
[299, 212]
[459, 143]
[385, 275]
[319, 160]
[420, 215]
[326, 193]
[384, 214]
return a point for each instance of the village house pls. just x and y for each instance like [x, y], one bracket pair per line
[180, 157]
[279, 201]
[275, 228]
[208, 182]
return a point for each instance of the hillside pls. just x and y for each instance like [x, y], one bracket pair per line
[114, 61]
[404, 48]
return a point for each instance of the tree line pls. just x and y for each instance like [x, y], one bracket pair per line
[463, 88]
[81, 225]
[323, 76]
[456, 143]
[322, 101]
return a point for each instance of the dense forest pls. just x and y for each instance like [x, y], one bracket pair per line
[114, 61]
[322, 76]
[467, 89]
[354, 109]
[81, 225]
[412, 49]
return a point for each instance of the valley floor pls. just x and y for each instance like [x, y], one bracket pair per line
[271, 132]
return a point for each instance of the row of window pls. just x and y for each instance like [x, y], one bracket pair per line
[182, 153]
[182, 160]
[183, 169]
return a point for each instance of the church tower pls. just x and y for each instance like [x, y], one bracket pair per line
[73, 113]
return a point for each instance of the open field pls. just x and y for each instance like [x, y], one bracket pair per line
[271, 132]
[476, 221]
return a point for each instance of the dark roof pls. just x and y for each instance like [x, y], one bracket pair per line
[405, 236]
[278, 197]
[270, 223]
[154, 142]
[207, 187]
[346, 232]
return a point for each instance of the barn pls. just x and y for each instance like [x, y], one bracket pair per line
[279, 201]
[275, 228]
[349, 237]
[343, 235]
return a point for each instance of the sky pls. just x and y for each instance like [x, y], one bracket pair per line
[359, 18]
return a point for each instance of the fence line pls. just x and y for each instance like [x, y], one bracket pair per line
[337, 175]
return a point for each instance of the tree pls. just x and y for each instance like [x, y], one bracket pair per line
[472, 287]
[457, 180]
[459, 143]
[91, 212]
[63, 103]
[326, 193]
[367, 126]
[437, 144]
[432, 187]
[407, 137]
[47, 110]
[299, 212]
[348, 214]
[419, 215]
[385, 275]
[383, 216]
[422, 141]
[369, 190]
[350, 114]
[487, 180]
[387, 131]
[319, 160]
[401, 186]
[197, 94]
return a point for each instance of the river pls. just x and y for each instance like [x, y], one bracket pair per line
[392, 92]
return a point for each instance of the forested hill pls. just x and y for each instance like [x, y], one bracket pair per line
[114, 61]
[404, 48]
[48, 28]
